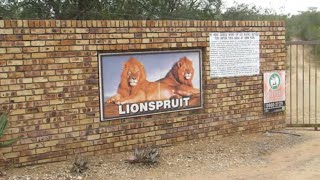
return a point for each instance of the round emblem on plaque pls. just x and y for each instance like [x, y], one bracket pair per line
[274, 81]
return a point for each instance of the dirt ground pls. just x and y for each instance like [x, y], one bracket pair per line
[259, 156]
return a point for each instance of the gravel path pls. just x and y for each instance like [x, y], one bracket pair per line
[198, 159]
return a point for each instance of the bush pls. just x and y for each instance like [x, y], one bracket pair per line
[3, 126]
[144, 155]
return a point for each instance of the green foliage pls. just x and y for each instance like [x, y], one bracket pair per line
[250, 12]
[3, 126]
[305, 25]
[110, 9]
[80, 164]
[144, 155]
[9, 9]
[180, 9]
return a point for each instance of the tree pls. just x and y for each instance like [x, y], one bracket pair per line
[9, 9]
[180, 9]
[111, 9]
[249, 12]
[59, 9]
[305, 25]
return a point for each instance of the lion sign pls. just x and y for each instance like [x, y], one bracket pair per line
[150, 83]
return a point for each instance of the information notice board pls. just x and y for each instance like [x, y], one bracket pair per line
[234, 54]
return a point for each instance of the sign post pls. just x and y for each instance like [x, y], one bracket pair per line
[274, 91]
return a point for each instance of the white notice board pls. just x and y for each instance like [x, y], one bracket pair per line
[234, 54]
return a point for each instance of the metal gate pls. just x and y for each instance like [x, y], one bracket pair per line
[302, 84]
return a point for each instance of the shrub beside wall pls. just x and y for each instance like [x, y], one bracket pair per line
[49, 82]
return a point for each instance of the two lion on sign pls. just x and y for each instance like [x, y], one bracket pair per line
[134, 86]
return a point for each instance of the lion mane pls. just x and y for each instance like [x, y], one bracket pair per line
[132, 79]
[180, 76]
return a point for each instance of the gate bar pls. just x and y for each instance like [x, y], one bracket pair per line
[290, 84]
[309, 90]
[316, 92]
[303, 83]
[297, 82]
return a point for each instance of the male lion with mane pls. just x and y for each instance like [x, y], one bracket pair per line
[134, 87]
[180, 77]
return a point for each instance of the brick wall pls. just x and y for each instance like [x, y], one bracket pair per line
[49, 82]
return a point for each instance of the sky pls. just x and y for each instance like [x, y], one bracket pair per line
[156, 65]
[280, 6]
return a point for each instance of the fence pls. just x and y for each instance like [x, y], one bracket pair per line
[303, 84]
